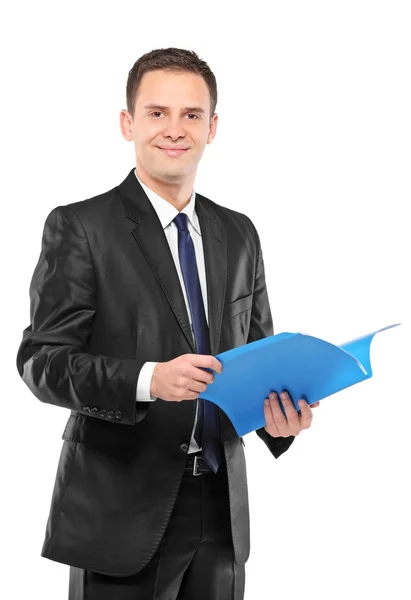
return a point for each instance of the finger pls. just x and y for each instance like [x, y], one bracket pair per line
[205, 361]
[291, 413]
[271, 426]
[306, 414]
[315, 404]
[217, 365]
[199, 374]
[197, 387]
[279, 418]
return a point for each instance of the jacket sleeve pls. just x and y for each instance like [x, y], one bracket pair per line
[261, 326]
[52, 358]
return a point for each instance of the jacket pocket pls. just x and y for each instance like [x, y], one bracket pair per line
[239, 305]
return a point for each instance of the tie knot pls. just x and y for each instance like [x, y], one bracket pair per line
[181, 220]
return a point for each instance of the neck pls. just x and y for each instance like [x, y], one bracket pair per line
[177, 194]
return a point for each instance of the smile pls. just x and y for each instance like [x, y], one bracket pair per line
[172, 152]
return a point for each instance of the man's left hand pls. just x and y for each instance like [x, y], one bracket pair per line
[292, 423]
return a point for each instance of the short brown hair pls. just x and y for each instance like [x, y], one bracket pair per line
[173, 60]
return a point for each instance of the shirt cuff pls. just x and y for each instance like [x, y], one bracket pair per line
[144, 383]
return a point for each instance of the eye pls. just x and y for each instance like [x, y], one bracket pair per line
[158, 112]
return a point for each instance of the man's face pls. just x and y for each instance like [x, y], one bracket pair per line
[172, 110]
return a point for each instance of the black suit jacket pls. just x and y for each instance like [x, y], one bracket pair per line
[105, 298]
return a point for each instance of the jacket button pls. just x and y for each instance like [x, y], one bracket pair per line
[86, 409]
[118, 414]
[103, 413]
[110, 414]
[94, 410]
[184, 447]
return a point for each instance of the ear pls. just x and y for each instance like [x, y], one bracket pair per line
[126, 125]
[213, 128]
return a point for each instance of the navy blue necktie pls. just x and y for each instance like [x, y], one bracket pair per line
[208, 431]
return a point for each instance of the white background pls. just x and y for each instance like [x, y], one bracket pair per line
[313, 144]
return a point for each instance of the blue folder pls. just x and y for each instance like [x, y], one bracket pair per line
[306, 366]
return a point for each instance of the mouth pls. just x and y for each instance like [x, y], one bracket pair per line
[172, 152]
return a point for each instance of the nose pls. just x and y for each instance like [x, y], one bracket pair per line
[173, 127]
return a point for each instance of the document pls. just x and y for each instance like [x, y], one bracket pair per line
[306, 366]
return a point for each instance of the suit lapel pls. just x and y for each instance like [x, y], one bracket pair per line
[148, 228]
[214, 240]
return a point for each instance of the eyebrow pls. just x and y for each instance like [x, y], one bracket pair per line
[187, 108]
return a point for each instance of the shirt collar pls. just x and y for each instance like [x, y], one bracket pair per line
[166, 212]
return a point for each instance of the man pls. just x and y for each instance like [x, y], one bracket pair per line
[135, 292]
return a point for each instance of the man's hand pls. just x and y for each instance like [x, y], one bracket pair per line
[184, 377]
[279, 425]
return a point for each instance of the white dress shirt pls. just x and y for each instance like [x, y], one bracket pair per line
[166, 212]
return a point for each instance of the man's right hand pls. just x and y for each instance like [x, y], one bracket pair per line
[183, 378]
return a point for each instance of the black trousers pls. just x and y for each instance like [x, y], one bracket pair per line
[195, 558]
